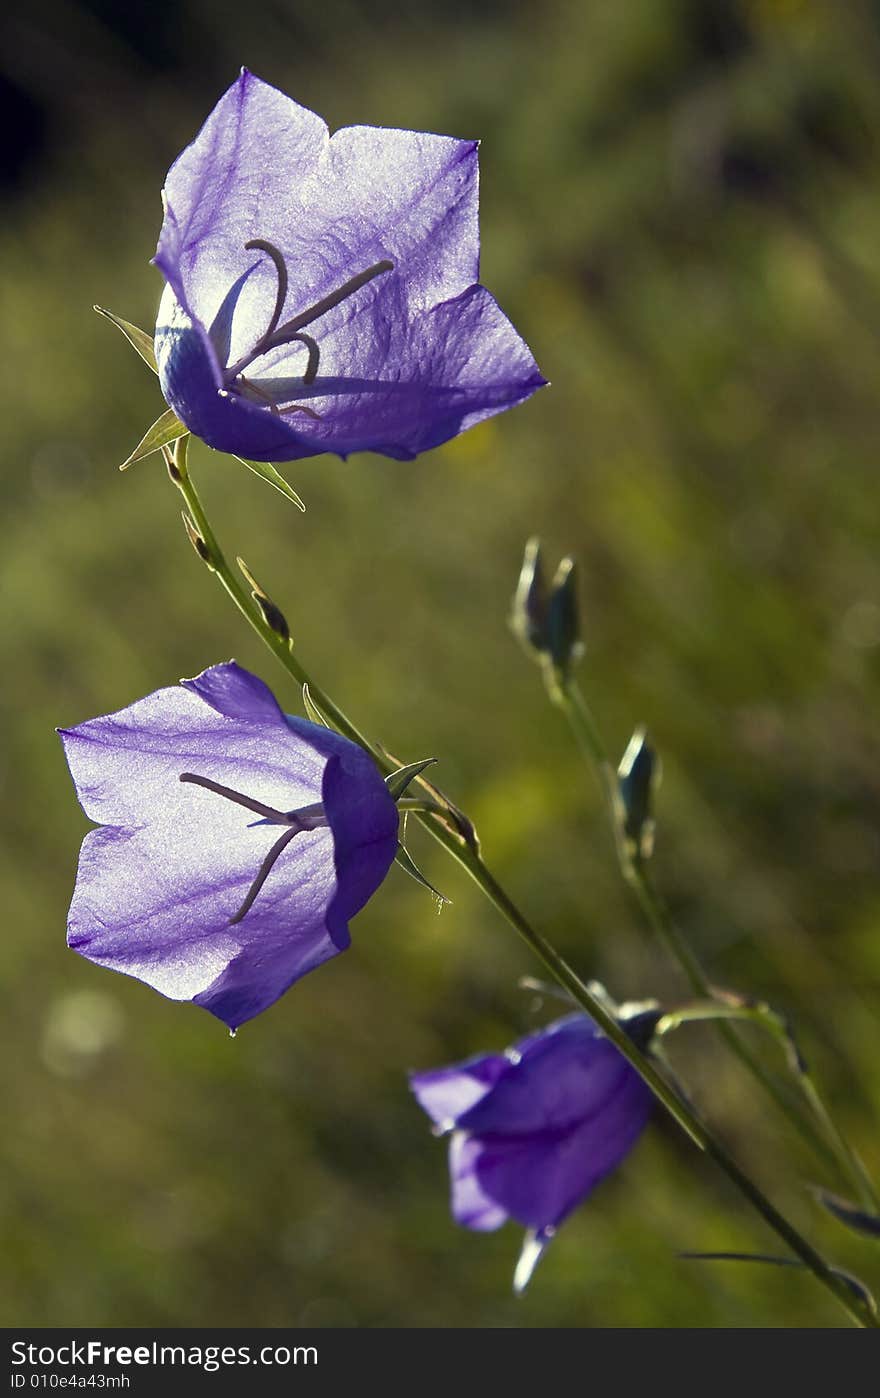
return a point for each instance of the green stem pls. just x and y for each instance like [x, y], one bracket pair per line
[826, 1140]
[472, 862]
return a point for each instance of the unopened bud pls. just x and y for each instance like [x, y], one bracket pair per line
[563, 620]
[272, 614]
[528, 617]
[638, 777]
[196, 539]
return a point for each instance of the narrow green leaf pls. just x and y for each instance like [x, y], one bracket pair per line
[139, 339]
[848, 1213]
[166, 429]
[398, 781]
[312, 709]
[407, 863]
[856, 1286]
[267, 472]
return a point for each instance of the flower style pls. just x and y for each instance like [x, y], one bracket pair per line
[323, 293]
[535, 1129]
[181, 887]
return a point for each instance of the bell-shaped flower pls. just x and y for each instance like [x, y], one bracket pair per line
[535, 1129]
[236, 842]
[323, 293]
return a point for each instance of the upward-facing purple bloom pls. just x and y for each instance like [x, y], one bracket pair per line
[235, 842]
[323, 294]
[535, 1129]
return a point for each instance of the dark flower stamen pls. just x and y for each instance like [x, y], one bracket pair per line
[327, 303]
[281, 270]
[292, 330]
[278, 408]
[309, 818]
[268, 813]
[263, 873]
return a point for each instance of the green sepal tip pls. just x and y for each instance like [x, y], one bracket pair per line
[397, 782]
[312, 710]
[868, 1224]
[166, 429]
[267, 472]
[408, 864]
[528, 616]
[138, 339]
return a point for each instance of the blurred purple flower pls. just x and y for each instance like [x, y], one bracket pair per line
[535, 1129]
[181, 887]
[323, 294]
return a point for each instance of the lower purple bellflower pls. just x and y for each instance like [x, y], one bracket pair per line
[536, 1128]
[188, 884]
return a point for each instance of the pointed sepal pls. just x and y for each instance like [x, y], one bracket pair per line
[166, 429]
[860, 1220]
[528, 615]
[408, 864]
[312, 709]
[535, 1244]
[138, 339]
[267, 472]
[397, 782]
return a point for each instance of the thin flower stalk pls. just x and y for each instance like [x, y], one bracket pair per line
[467, 854]
[816, 1125]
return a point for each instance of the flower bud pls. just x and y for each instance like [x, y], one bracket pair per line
[564, 643]
[528, 617]
[638, 776]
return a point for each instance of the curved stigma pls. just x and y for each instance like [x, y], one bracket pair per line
[292, 330]
[309, 818]
[263, 872]
[263, 245]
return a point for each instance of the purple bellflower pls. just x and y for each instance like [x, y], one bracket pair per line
[188, 884]
[535, 1129]
[323, 293]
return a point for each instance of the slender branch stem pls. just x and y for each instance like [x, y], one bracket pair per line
[818, 1128]
[468, 857]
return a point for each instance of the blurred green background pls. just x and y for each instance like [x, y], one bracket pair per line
[680, 212]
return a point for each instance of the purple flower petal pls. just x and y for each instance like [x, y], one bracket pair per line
[537, 1128]
[471, 1205]
[447, 1093]
[561, 1077]
[159, 884]
[539, 1178]
[407, 360]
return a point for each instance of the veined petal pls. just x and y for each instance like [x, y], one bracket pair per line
[411, 382]
[160, 887]
[225, 724]
[364, 822]
[406, 359]
[411, 196]
[539, 1178]
[472, 1206]
[447, 1093]
[239, 179]
[156, 903]
[562, 1077]
[537, 1128]
[191, 380]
